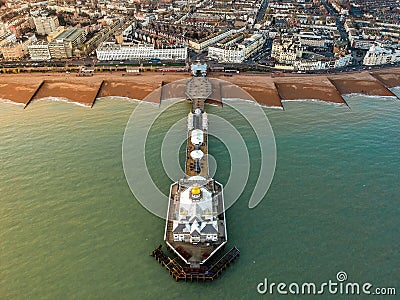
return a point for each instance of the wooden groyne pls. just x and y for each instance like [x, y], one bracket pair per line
[391, 82]
[306, 89]
[364, 84]
[98, 93]
[34, 94]
[204, 273]
[279, 94]
[334, 86]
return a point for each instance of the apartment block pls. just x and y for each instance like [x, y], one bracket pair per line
[39, 51]
[46, 25]
[130, 51]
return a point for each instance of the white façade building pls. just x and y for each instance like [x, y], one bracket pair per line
[313, 40]
[337, 62]
[286, 50]
[237, 53]
[131, 51]
[196, 218]
[378, 55]
[203, 45]
[39, 51]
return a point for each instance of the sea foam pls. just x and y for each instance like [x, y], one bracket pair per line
[316, 100]
[354, 95]
[254, 102]
[7, 101]
[64, 100]
[127, 99]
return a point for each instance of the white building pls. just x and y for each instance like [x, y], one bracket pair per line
[313, 40]
[323, 64]
[200, 46]
[357, 41]
[286, 50]
[39, 51]
[378, 55]
[197, 218]
[130, 51]
[239, 52]
[343, 61]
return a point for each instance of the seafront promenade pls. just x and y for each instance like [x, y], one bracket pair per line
[267, 89]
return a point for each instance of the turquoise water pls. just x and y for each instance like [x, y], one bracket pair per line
[71, 228]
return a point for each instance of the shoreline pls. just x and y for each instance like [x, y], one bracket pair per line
[267, 90]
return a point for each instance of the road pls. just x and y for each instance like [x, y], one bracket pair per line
[87, 62]
[261, 11]
[339, 24]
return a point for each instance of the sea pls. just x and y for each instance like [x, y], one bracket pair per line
[70, 227]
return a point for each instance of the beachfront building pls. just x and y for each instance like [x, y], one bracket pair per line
[64, 43]
[131, 51]
[377, 55]
[286, 50]
[17, 50]
[343, 60]
[46, 24]
[239, 52]
[61, 45]
[39, 51]
[12, 51]
[339, 61]
[73, 37]
[42, 51]
[60, 49]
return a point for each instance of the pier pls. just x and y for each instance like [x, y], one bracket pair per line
[195, 228]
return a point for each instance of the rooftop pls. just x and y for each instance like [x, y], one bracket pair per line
[70, 34]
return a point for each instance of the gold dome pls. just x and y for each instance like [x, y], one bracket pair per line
[196, 190]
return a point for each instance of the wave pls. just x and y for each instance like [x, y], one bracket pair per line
[354, 95]
[127, 99]
[7, 101]
[65, 100]
[272, 106]
[212, 104]
[395, 90]
[315, 100]
[253, 102]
